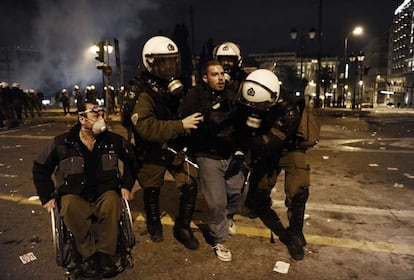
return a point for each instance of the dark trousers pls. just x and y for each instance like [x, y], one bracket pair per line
[77, 215]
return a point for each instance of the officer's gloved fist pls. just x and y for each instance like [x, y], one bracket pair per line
[235, 165]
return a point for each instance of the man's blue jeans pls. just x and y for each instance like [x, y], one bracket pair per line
[224, 198]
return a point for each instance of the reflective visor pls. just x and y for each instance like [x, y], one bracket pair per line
[167, 66]
[228, 61]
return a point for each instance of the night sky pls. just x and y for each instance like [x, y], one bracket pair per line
[64, 29]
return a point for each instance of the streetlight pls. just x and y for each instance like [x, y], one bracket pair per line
[357, 59]
[356, 32]
[294, 36]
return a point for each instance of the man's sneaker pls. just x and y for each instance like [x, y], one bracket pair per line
[222, 252]
[232, 227]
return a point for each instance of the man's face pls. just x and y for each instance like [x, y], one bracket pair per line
[215, 77]
[92, 114]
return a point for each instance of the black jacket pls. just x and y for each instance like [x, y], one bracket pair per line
[64, 159]
[214, 137]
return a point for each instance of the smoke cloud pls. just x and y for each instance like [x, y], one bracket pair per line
[65, 30]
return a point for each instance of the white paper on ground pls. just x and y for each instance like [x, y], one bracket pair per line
[281, 267]
[26, 258]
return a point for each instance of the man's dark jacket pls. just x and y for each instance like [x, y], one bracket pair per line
[64, 158]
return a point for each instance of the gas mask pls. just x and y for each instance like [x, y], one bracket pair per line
[227, 76]
[229, 63]
[175, 86]
[254, 117]
[172, 86]
[253, 120]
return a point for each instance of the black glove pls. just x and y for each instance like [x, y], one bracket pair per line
[235, 165]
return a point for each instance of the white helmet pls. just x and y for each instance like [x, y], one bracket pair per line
[76, 87]
[161, 57]
[260, 90]
[228, 50]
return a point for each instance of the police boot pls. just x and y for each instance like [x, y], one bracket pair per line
[182, 230]
[296, 214]
[272, 221]
[152, 209]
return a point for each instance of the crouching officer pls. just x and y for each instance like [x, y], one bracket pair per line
[155, 126]
[85, 162]
[271, 122]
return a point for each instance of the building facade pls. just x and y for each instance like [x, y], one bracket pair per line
[289, 67]
[400, 75]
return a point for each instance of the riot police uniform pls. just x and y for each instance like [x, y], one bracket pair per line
[274, 146]
[155, 127]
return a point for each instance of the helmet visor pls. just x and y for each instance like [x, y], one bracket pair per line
[166, 66]
[228, 61]
[256, 105]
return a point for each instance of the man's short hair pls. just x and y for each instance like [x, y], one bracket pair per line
[208, 64]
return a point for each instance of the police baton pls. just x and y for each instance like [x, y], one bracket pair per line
[186, 158]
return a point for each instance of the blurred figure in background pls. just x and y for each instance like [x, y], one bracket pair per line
[79, 98]
[18, 98]
[65, 99]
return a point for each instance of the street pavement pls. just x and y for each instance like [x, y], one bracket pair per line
[359, 218]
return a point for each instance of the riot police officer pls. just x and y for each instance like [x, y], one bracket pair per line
[271, 124]
[155, 94]
[79, 98]
[229, 54]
